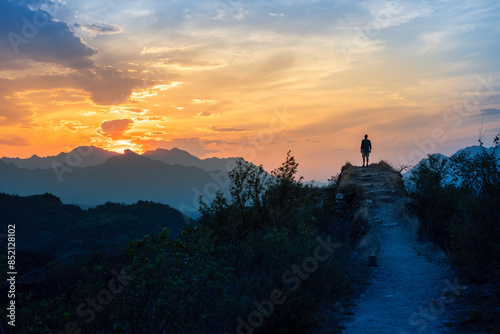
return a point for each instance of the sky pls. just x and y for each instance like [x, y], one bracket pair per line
[254, 79]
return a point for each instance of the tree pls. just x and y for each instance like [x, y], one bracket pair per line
[247, 188]
[428, 179]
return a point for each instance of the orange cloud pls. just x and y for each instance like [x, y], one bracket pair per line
[14, 141]
[231, 129]
[115, 129]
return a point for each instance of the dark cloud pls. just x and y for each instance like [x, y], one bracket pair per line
[215, 128]
[116, 128]
[107, 86]
[490, 112]
[14, 141]
[100, 29]
[28, 36]
[157, 133]
[35, 35]
[204, 114]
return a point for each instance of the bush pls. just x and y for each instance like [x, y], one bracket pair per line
[457, 201]
[260, 239]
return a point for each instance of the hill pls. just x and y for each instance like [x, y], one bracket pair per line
[83, 156]
[44, 225]
[177, 156]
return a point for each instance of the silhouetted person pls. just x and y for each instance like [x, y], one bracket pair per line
[366, 148]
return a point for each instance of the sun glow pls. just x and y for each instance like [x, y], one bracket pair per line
[210, 83]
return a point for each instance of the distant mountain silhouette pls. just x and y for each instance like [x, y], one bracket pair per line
[177, 156]
[125, 178]
[86, 156]
[474, 150]
[83, 156]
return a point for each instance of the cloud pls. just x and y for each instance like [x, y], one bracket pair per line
[153, 91]
[127, 110]
[149, 119]
[14, 141]
[166, 49]
[107, 85]
[397, 96]
[204, 114]
[199, 101]
[445, 39]
[11, 113]
[178, 64]
[266, 71]
[115, 129]
[99, 29]
[389, 14]
[26, 34]
[490, 112]
[156, 133]
[71, 125]
[217, 129]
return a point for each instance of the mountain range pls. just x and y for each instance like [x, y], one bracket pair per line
[83, 156]
[471, 150]
[86, 156]
[90, 176]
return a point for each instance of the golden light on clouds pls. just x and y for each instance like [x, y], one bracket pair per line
[210, 79]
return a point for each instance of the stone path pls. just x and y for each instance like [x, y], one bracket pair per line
[409, 292]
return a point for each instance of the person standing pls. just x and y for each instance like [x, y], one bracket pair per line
[366, 149]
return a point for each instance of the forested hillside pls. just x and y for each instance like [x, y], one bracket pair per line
[48, 229]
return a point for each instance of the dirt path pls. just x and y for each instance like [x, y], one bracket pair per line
[409, 291]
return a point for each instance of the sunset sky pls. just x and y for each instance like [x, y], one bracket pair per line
[250, 78]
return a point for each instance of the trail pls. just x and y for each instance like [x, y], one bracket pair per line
[409, 291]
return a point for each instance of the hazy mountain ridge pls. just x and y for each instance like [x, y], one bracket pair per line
[87, 156]
[177, 156]
[82, 156]
[125, 178]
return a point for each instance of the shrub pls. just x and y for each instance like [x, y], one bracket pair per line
[463, 218]
[213, 273]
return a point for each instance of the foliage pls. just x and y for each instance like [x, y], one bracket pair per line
[457, 201]
[263, 238]
[46, 225]
[433, 206]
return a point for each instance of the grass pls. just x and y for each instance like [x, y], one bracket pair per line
[383, 166]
